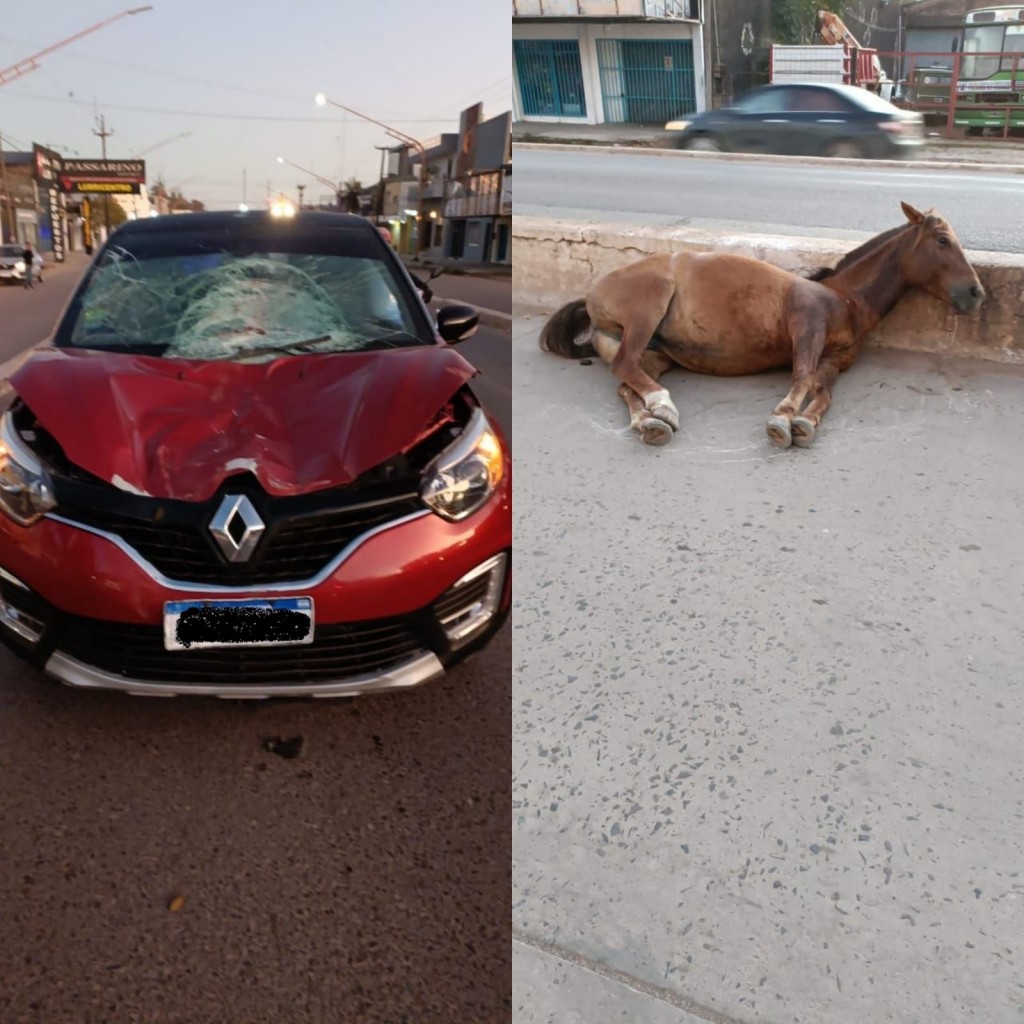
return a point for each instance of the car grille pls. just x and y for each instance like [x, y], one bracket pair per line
[294, 550]
[338, 651]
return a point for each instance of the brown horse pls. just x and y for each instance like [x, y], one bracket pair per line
[723, 314]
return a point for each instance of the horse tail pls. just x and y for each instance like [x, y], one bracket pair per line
[563, 329]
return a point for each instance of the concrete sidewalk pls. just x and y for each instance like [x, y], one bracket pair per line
[767, 705]
[1008, 153]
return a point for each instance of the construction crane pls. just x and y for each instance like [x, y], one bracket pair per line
[23, 67]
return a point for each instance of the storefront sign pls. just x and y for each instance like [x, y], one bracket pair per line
[48, 166]
[125, 177]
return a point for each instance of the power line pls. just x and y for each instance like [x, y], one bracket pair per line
[180, 77]
[223, 116]
[221, 85]
[484, 90]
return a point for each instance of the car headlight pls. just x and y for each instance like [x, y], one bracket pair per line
[465, 474]
[26, 491]
[677, 126]
[20, 265]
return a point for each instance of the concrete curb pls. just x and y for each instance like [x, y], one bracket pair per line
[558, 260]
[685, 154]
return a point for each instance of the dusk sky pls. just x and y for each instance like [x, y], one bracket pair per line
[240, 78]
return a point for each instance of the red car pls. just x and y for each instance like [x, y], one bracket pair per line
[250, 464]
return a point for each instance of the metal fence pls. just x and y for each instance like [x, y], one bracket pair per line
[948, 90]
[646, 81]
[550, 77]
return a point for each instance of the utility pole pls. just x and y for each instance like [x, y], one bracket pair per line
[103, 134]
[5, 224]
[380, 186]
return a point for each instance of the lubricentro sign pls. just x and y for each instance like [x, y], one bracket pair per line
[110, 176]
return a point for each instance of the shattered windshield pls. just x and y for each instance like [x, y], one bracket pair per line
[241, 296]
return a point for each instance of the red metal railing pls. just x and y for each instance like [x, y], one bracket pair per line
[963, 96]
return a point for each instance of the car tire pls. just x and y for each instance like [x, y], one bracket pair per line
[703, 144]
[845, 149]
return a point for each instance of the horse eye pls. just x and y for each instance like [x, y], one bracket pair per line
[943, 240]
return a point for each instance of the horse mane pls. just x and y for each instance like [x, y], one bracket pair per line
[851, 257]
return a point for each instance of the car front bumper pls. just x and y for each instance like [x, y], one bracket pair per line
[400, 607]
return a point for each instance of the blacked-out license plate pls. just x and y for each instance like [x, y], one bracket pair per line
[253, 622]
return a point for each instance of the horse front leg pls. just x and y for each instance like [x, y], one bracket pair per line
[805, 426]
[650, 428]
[628, 363]
[806, 352]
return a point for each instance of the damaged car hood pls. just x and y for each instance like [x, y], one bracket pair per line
[177, 428]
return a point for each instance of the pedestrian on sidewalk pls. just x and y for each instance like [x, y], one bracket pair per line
[30, 264]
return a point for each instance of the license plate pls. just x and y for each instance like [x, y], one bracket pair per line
[254, 622]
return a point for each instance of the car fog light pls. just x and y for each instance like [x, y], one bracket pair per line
[465, 474]
[26, 491]
[20, 622]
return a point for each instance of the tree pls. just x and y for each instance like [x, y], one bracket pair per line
[350, 196]
[115, 213]
[176, 200]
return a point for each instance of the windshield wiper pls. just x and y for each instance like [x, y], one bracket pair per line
[389, 340]
[284, 349]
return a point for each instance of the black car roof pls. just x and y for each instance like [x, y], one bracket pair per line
[185, 222]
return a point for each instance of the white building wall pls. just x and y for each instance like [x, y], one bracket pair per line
[587, 33]
[593, 8]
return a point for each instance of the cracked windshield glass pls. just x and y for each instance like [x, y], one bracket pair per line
[206, 300]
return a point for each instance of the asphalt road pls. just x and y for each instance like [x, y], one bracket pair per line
[486, 292]
[762, 196]
[366, 880]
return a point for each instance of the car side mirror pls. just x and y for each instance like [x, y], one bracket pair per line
[457, 323]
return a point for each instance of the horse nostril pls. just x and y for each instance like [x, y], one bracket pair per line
[976, 292]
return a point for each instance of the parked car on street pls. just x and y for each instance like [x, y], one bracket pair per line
[250, 463]
[12, 266]
[805, 120]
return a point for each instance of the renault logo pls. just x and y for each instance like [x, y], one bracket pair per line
[236, 527]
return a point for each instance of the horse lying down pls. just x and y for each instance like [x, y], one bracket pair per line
[726, 315]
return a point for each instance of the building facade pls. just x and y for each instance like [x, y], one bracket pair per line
[478, 196]
[607, 61]
[441, 155]
[19, 202]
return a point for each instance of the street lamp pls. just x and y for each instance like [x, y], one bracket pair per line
[336, 189]
[321, 100]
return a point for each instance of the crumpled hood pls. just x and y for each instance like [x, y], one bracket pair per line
[176, 428]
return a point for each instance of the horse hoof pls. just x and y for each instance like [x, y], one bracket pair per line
[778, 431]
[656, 432]
[667, 414]
[803, 432]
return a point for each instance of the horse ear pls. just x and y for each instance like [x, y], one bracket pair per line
[914, 216]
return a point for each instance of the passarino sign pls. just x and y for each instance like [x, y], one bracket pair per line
[123, 177]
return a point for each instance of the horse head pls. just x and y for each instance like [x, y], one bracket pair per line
[934, 261]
